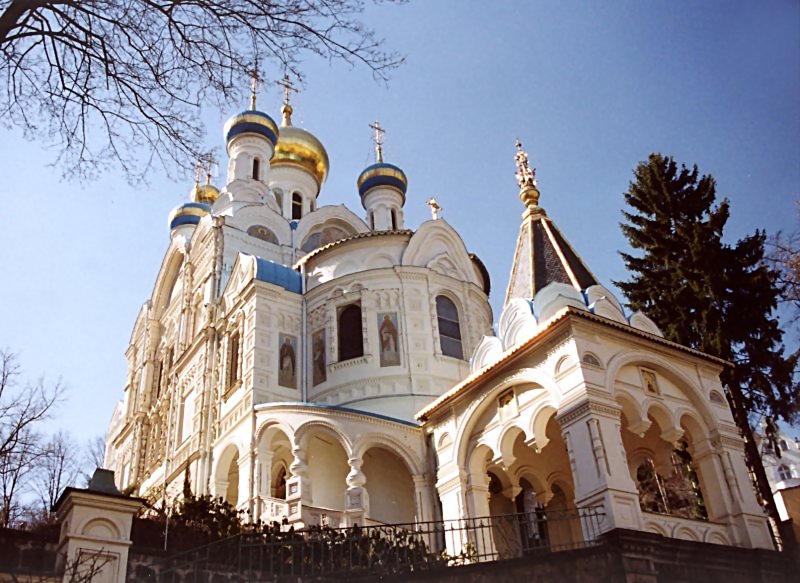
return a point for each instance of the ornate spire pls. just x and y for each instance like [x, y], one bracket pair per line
[286, 110]
[526, 178]
[543, 255]
[255, 83]
[378, 139]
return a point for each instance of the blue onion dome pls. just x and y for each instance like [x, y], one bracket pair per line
[251, 122]
[382, 174]
[189, 213]
[204, 193]
[299, 148]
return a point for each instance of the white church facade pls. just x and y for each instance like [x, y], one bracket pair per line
[311, 364]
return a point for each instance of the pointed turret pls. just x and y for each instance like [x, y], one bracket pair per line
[542, 255]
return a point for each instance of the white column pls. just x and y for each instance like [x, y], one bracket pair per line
[598, 460]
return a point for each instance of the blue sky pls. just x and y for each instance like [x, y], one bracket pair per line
[590, 88]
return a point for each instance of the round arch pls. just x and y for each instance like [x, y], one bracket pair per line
[476, 408]
[370, 440]
[689, 388]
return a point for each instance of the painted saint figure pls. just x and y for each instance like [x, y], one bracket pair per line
[387, 331]
[286, 362]
[318, 357]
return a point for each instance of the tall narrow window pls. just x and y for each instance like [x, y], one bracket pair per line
[351, 343]
[158, 375]
[449, 328]
[233, 359]
[256, 169]
[297, 206]
[371, 220]
[394, 220]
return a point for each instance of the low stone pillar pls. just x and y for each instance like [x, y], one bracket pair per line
[95, 530]
[356, 497]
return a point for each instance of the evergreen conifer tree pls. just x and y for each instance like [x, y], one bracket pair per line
[702, 292]
[707, 294]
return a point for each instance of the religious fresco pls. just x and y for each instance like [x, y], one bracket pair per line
[387, 332]
[287, 361]
[318, 374]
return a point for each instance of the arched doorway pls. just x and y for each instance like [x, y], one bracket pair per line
[390, 487]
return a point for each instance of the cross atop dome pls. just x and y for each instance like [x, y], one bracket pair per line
[208, 162]
[255, 82]
[286, 83]
[286, 110]
[378, 139]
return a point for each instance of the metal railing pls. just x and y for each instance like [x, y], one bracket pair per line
[277, 552]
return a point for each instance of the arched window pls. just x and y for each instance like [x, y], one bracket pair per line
[784, 473]
[256, 169]
[351, 343]
[394, 220]
[784, 445]
[279, 489]
[449, 328]
[233, 360]
[297, 206]
[677, 493]
[371, 220]
[263, 233]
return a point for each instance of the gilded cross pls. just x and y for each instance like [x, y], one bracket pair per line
[378, 139]
[209, 161]
[436, 208]
[255, 82]
[287, 87]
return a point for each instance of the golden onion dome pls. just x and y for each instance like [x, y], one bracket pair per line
[188, 213]
[382, 174]
[297, 147]
[251, 122]
[205, 193]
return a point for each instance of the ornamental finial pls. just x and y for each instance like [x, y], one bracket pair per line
[436, 208]
[526, 178]
[378, 139]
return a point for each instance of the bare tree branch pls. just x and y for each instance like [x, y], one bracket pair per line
[22, 409]
[122, 81]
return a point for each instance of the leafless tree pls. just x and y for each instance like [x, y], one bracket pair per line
[93, 457]
[111, 80]
[57, 468]
[784, 257]
[22, 409]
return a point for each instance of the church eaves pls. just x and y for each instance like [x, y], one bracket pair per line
[543, 254]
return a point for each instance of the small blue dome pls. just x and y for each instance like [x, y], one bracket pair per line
[189, 213]
[382, 174]
[251, 122]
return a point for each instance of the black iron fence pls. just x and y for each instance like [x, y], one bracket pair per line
[275, 551]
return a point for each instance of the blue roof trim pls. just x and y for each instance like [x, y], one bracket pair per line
[382, 181]
[278, 274]
[184, 220]
[243, 127]
[349, 410]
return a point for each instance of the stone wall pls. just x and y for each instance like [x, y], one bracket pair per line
[28, 552]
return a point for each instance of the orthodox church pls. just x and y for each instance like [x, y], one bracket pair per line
[318, 365]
